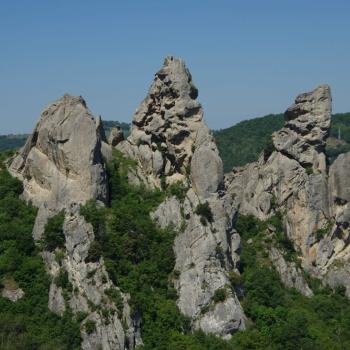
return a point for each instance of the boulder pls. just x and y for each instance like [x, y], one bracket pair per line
[116, 136]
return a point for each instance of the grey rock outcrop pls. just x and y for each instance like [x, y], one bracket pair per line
[292, 178]
[171, 144]
[291, 275]
[116, 136]
[61, 160]
[306, 129]
[61, 166]
[12, 294]
[169, 138]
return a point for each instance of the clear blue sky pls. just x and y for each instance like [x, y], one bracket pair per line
[248, 58]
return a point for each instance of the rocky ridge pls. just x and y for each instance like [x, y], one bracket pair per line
[292, 177]
[173, 146]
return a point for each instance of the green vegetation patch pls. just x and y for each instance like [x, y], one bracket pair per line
[27, 323]
[53, 233]
[204, 211]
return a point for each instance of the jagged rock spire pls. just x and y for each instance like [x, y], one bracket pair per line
[306, 129]
[61, 161]
[169, 136]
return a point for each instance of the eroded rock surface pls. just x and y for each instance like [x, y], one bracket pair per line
[61, 166]
[292, 177]
[172, 144]
[169, 138]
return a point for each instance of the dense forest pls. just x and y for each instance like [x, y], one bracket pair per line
[139, 255]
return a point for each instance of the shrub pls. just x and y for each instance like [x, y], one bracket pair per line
[53, 233]
[90, 326]
[235, 278]
[322, 232]
[177, 189]
[220, 295]
[95, 252]
[204, 210]
[116, 297]
[62, 280]
[309, 170]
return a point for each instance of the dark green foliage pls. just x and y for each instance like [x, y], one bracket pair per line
[95, 252]
[28, 323]
[178, 189]
[115, 296]
[62, 280]
[283, 318]
[268, 148]
[333, 152]
[322, 232]
[204, 211]
[90, 326]
[53, 234]
[243, 142]
[309, 170]
[9, 142]
[220, 295]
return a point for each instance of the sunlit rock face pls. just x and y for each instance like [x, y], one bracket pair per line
[172, 144]
[61, 166]
[292, 177]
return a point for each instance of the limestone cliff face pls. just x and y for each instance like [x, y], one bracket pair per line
[169, 137]
[292, 177]
[172, 144]
[61, 167]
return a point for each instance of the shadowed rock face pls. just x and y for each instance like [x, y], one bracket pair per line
[171, 143]
[61, 167]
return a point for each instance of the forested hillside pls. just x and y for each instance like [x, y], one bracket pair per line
[9, 142]
[242, 143]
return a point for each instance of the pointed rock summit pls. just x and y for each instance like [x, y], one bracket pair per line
[61, 166]
[169, 136]
[172, 144]
[306, 129]
[292, 178]
[61, 161]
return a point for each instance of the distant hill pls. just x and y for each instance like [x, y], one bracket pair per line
[242, 143]
[9, 142]
[109, 124]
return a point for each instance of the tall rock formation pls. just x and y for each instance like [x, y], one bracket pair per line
[291, 177]
[173, 146]
[169, 138]
[61, 167]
